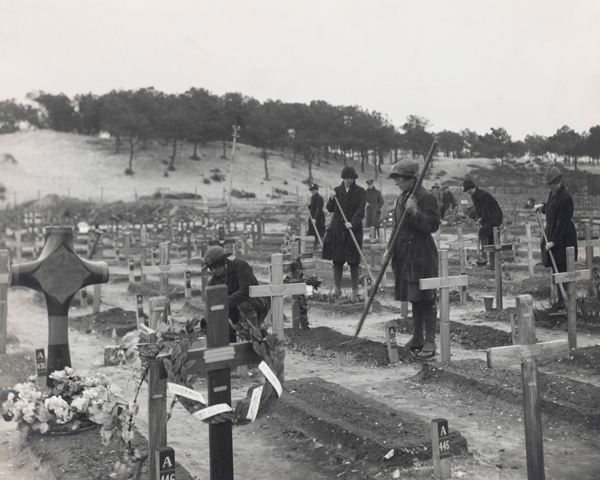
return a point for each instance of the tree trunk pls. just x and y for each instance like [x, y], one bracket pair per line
[195, 154]
[171, 167]
[118, 144]
[131, 150]
[265, 156]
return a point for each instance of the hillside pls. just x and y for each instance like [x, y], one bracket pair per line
[48, 162]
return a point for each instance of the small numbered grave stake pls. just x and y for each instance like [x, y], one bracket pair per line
[496, 249]
[443, 283]
[440, 444]
[589, 245]
[58, 273]
[527, 354]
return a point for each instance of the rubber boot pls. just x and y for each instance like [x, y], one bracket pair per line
[430, 321]
[355, 276]
[416, 342]
[337, 279]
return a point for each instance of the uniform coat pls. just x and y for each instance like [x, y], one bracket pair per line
[488, 211]
[375, 203]
[415, 255]
[239, 277]
[559, 227]
[317, 214]
[338, 245]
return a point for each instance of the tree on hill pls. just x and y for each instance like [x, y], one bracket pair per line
[536, 145]
[235, 109]
[172, 123]
[568, 144]
[203, 117]
[60, 113]
[120, 118]
[88, 109]
[416, 138]
[592, 144]
[12, 114]
[496, 144]
[451, 143]
[472, 144]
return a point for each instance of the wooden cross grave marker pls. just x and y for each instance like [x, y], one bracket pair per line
[58, 273]
[532, 242]
[443, 284]
[460, 245]
[570, 277]
[527, 354]
[496, 249]
[277, 290]
[216, 360]
[589, 245]
[164, 269]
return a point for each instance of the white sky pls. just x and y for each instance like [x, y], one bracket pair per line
[529, 66]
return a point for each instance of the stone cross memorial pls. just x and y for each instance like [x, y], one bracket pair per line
[58, 273]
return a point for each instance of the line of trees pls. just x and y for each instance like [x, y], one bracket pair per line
[313, 132]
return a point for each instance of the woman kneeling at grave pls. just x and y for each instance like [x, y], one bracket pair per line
[238, 275]
[415, 255]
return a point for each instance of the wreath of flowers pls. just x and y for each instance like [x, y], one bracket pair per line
[270, 348]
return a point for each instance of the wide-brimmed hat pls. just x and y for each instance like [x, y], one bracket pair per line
[405, 168]
[213, 256]
[468, 185]
[313, 186]
[349, 172]
[552, 174]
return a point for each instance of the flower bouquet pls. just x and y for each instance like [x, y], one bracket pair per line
[75, 402]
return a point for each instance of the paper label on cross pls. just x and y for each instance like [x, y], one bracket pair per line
[566, 277]
[62, 274]
[444, 282]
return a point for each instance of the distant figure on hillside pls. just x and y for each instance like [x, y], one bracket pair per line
[438, 195]
[489, 215]
[338, 245]
[448, 201]
[415, 255]
[238, 275]
[375, 203]
[560, 229]
[316, 225]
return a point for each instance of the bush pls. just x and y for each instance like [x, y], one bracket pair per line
[207, 181]
[242, 194]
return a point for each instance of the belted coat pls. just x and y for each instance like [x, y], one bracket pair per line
[317, 214]
[338, 245]
[375, 203]
[559, 226]
[415, 255]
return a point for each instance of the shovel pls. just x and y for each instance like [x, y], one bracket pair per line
[480, 261]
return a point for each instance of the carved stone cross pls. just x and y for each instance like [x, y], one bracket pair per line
[58, 273]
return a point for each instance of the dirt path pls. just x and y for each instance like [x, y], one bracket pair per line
[494, 430]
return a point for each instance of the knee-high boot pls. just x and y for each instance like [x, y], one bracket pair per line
[417, 336]
[355, 276]
[337, 278]
[430, 321]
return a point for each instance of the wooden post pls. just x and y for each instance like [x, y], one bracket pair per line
[460, 245]
[139, 311]
[3, 299]
[443, 283]
[131, 273]
[295, 253]
[188, 284]
[41, 367]
[570, 277]
[589, 245]
[157, 418]
[527, 354]
[496, 249]
[529, 249]
[440, 444]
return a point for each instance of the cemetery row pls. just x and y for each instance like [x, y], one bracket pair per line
[76, 273]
